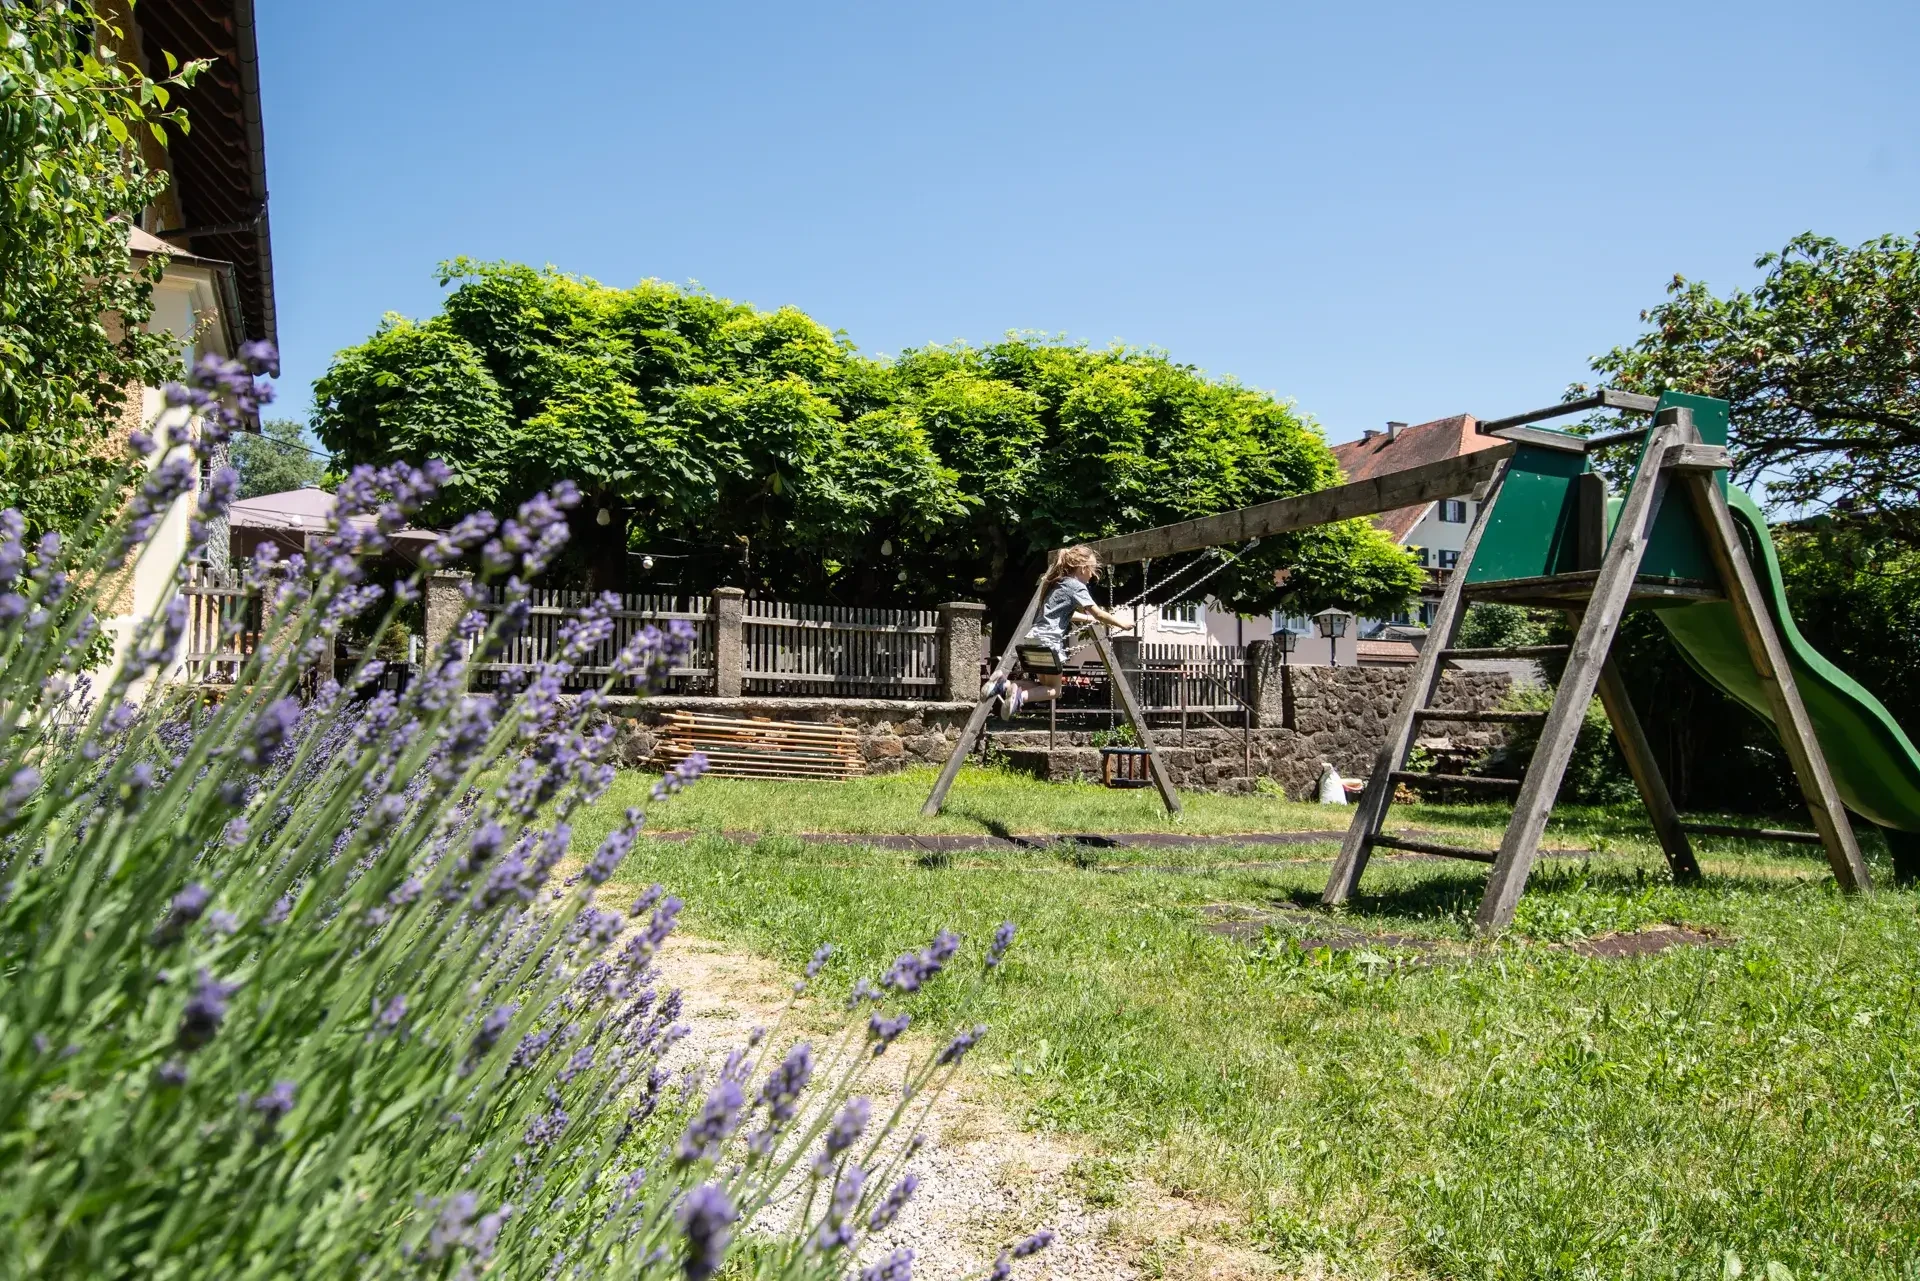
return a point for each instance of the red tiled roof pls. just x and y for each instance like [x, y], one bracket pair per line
[1378, 455]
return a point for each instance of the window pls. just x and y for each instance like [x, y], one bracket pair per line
[1453, 511]
[1183, 615]
[1421, 556]
[1448, 559]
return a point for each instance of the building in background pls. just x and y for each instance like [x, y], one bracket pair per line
[210, 224]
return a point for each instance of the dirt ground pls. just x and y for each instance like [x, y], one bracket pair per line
[984, 1181]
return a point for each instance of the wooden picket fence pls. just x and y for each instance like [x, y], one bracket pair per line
[551, 608]
[1176, 685]
[223, 623]
[833, 651]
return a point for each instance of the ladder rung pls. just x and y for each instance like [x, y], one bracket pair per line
[1514, 651]
[1455, 780]
[1478, 718]
[1753, 833]
[1428, 847]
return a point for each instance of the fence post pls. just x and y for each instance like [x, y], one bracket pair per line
[446, 605]
[960, 650]
[729, 641]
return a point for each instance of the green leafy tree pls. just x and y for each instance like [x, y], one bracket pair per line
[1821, 362]
[74, 347]
[276, 460]
[769, 441]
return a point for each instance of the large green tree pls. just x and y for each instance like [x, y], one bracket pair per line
[276, 460]
[1821, 362]
[73, 339]
[768, 444]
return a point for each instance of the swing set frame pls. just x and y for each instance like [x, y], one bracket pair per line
[1609, 579]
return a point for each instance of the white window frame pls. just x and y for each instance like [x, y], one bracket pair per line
[1453, 511]
[1449, 558]
[1170, 623]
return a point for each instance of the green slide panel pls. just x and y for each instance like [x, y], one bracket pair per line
[1874, 763]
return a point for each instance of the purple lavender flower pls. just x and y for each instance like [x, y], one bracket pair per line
[173, 1073]
[864, 990]
[836, 1229]
[387, 1017]
[648, 897]
[270, 730]
[884, 1031]
[20, 789]
[847, 1127]
[279, 912]
[785, 1084]
[531, 1047]
[275, 1103]
[206, 1008]
[183, 909]
[545, 1129]
[706, 1220]
[691, 767]
[718, 1118]
[1033, 1244]
[890, 1206]
[222, 923]
[614, 849]
[821, 956]
[911, 969]
[582, 1061]
[492, 1028]
[897, 1266]
[957, 1048]
[1002, 940]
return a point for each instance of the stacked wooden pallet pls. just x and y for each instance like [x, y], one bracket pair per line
[758, 748]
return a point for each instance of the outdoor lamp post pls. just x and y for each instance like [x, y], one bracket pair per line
[1284, 640]
[1333, 625]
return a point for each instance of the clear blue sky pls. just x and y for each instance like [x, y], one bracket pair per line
[1378, 211]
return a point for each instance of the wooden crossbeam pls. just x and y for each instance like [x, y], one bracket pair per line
[1430, 482]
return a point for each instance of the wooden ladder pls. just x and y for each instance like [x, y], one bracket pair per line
[1603, 593]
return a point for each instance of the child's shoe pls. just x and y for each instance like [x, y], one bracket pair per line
[994, 688]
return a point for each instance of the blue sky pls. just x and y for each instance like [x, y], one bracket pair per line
[1376, 210]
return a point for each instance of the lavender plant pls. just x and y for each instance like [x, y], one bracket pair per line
[291, 986]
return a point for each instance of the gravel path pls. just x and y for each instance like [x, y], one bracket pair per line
[984, 1182]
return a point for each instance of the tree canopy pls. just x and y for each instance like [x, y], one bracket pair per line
[276, 460]
[73, 337]
[1821, 362]
[771, 442]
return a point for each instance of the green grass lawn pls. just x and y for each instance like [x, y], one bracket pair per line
[1504, 1109]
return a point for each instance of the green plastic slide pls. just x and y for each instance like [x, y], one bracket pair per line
[1874, 763]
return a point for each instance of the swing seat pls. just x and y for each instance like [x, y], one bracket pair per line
[1039, 660]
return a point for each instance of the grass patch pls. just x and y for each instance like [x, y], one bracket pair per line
[1518, 1111]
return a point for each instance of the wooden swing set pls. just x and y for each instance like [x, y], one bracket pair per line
[1545, 535]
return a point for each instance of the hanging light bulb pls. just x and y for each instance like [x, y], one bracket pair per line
[646, 564]
[902, 576]
[603, 517]
[886, 547]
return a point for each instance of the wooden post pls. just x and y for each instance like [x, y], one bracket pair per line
[729, 606]
[1641, 763]
[1601, 622]
[1371, 813]
[1769, 654]
[983, 707]
[1137, 719]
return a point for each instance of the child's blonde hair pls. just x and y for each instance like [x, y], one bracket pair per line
[1079, 561]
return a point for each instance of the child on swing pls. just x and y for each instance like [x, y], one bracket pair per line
[1067, 604]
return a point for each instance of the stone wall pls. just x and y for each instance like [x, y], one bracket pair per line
[1307, 717]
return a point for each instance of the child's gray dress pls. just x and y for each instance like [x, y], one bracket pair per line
[1056, 616]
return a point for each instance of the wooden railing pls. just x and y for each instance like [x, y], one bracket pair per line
[551, 608]
[833, 651]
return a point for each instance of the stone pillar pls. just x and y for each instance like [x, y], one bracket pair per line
[960, 643]
[1263, 679]
[446, 604]
[729, 641]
